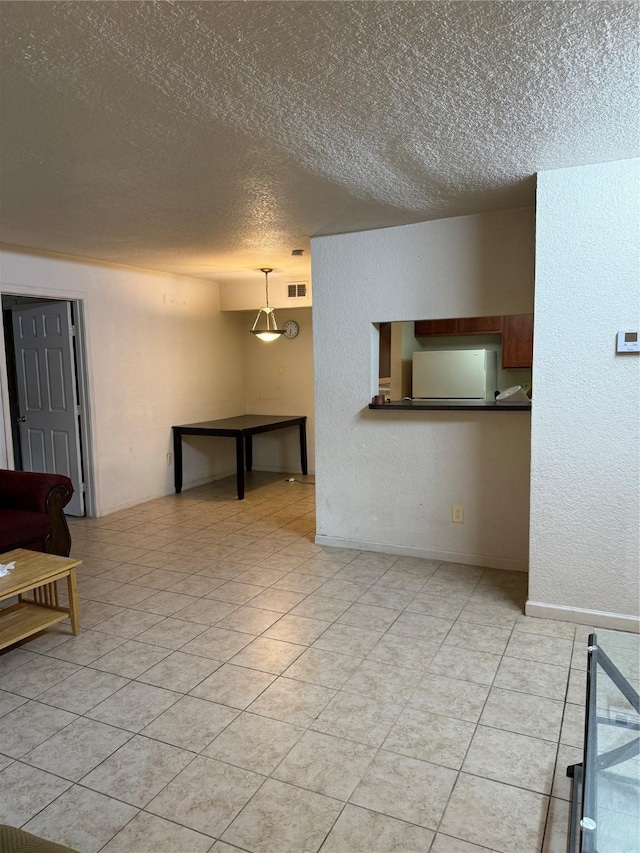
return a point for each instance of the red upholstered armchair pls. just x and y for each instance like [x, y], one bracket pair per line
[31, 513]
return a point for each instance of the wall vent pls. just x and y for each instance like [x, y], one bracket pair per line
[297, 290]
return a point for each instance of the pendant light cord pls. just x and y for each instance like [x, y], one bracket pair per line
[266, 272]
[271, 332]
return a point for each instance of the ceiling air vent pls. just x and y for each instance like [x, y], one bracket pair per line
[297, 290]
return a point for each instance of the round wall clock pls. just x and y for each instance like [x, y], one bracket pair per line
[291, 329]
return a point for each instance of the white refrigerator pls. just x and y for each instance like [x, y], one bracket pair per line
[468, 374]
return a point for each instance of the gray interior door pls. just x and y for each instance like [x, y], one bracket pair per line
[47, 394]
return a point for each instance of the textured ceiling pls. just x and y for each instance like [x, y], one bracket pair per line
[212, 138]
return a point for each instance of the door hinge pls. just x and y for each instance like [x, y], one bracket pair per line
[83, 487]
[78, 411]
[72, 331]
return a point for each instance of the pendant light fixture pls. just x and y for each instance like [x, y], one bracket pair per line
[270, 332]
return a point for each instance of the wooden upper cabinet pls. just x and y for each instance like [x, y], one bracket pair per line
[384, 366]
[517, 340]
[517, 334]
[458, 326]
[436, 327]
[479, 325]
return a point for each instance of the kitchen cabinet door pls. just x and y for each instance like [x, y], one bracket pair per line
[479, 325]
[517, 340]
[384, 363]
[436, 327]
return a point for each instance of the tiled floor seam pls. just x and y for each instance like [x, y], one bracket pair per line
[80, 784]
[404, 702]
[477, 725]
[293, 785]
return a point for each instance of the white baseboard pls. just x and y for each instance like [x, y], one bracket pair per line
[594, 618]
[169, 490]
[278, 469]
[204, 481]
[426, 553]
[191, 484]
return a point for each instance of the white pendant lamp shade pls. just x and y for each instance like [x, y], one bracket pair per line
[266, 327]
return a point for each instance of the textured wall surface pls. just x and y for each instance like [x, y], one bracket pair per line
[250, 295]
[278, 380]
[585, 434]
[387, 479]
[160, 352]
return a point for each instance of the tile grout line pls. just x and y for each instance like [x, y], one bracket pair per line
[405, 703]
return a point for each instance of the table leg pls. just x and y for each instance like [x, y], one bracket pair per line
[248, 451]
[74, 611]
[303, 447]
[240, 466]
[177, 460]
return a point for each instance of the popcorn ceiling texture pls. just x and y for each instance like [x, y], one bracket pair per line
[212, 138]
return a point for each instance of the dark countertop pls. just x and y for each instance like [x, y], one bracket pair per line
[449, 405]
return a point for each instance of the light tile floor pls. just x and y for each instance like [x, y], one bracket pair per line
[237, 688]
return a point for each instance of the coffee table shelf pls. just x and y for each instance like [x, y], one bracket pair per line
[24, 619]
[35, 575]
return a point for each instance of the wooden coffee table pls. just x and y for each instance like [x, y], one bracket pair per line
[36, 573]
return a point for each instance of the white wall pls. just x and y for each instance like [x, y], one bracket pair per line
[159, 353]
[387, 480]
[585, 434]
[243, 295]
[279, 381]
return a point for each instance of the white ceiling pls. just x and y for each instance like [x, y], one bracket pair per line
[212, 138]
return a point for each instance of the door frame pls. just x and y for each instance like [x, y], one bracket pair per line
[82, 380]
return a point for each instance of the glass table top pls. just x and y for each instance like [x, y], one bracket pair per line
[611, 806]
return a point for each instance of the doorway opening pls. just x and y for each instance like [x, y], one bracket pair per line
[47, 391]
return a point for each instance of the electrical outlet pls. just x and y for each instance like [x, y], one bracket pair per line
[457, 514]
[169, 458]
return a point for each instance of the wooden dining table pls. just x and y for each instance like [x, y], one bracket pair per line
[242, 428]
